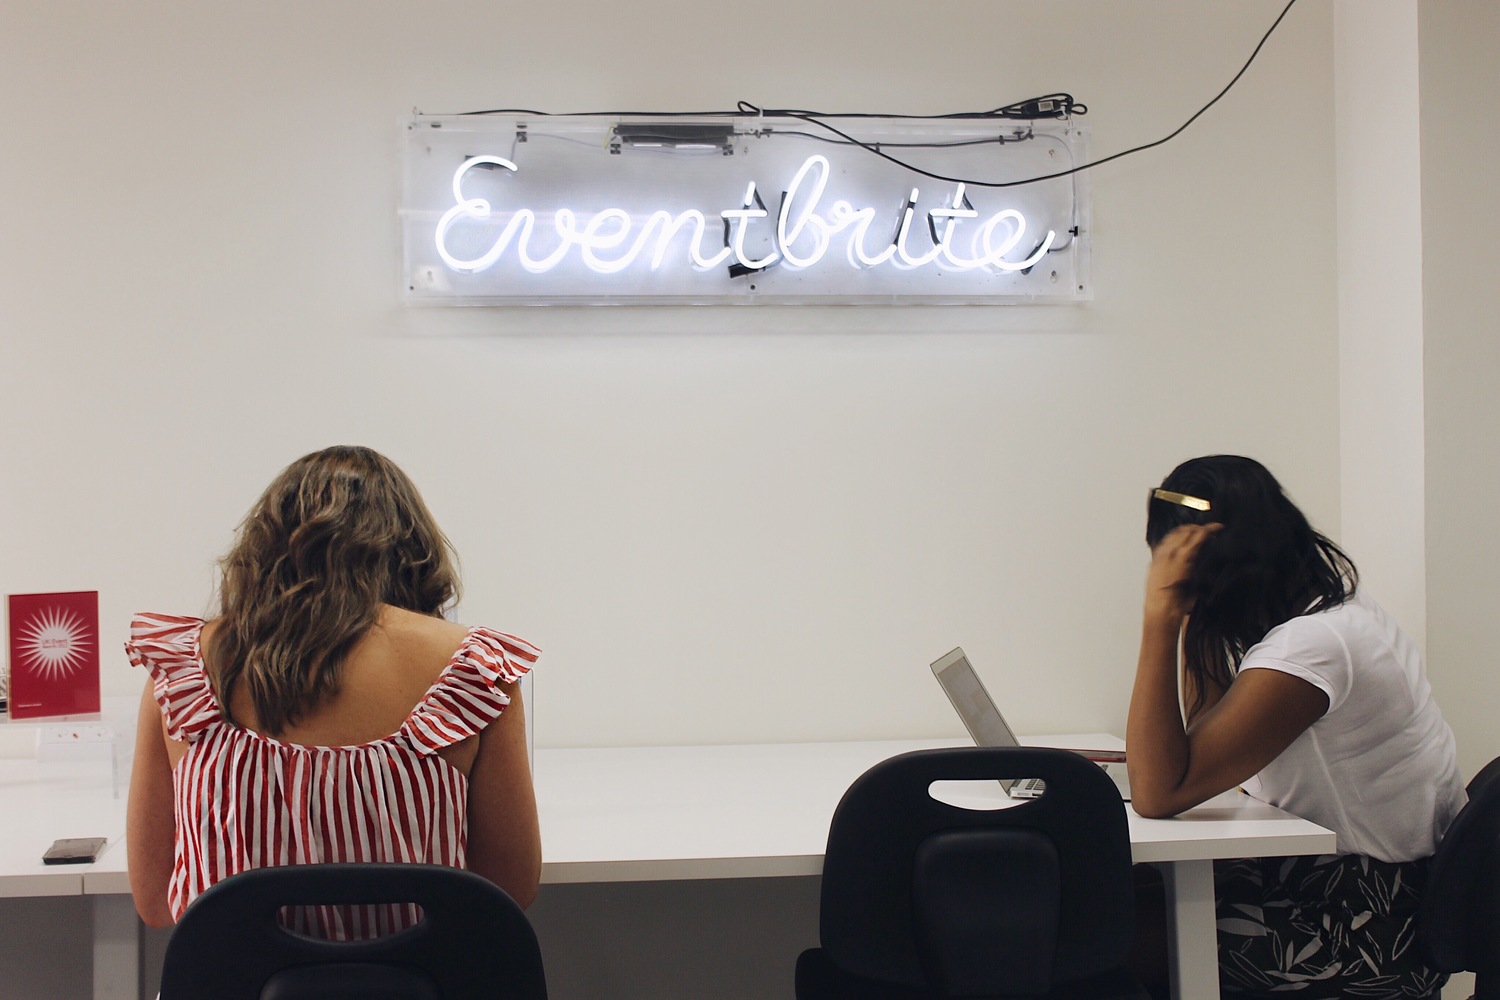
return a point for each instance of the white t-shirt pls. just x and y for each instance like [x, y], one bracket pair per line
[1380, 768]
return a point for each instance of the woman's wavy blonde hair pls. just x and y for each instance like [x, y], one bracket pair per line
[337, 534]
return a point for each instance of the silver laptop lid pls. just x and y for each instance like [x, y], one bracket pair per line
[984, 721]
[972, 702]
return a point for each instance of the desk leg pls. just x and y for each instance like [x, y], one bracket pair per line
[117, 948]
[1192, 940]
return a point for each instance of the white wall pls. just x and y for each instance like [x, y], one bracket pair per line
[1379, 179]
[1389, 129]
[721, 525]
[1461, 300]
[1460, 208]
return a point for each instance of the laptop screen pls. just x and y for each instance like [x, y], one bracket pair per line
[989, 728]
[972, 701]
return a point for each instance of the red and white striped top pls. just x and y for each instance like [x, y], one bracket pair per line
[244, 800]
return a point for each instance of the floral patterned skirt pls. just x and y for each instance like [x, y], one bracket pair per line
[1319, 927]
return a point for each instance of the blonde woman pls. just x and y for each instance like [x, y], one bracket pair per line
[329, 713]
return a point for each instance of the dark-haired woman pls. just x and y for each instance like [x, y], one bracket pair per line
[1302, 690]
[329, 713]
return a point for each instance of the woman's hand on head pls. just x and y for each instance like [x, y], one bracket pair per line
[1172, 564]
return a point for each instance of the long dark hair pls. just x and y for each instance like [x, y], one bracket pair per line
[1264, 566]
[337, 534]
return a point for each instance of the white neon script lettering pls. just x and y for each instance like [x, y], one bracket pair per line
[744, 215]
[612, 239]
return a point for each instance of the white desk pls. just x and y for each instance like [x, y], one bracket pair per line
[659, 813]
[44, 802]
[651, 814]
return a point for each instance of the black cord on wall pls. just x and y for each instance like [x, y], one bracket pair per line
[1048, 106]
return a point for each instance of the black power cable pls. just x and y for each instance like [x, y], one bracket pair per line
[813, 119]
[1049, 106]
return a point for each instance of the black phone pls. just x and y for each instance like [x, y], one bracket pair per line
[74, 851]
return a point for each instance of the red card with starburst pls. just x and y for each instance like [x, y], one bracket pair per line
[54, 654]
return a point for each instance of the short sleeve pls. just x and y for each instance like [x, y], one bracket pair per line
[1309, 648]
[467, 697]
[167, 646]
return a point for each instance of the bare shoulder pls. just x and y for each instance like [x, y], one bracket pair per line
[386, 673]
[423, 636]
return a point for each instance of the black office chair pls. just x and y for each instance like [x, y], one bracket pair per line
[922, 899]
[472, 942]
[1458, 922]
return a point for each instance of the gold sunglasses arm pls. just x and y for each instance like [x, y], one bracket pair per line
[1182, 499]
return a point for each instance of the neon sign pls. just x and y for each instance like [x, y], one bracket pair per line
[541, 220]
[610, 229]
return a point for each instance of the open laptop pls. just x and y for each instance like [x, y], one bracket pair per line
[989, 728]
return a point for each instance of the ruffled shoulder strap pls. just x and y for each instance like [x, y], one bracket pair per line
[167, 646]
[466, 697]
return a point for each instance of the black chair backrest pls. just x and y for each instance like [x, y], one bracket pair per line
[472, 942]
[921, 893]
[1459, 917]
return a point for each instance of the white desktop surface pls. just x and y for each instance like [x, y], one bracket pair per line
[43, 802]
[652, 814]
[661, 813]
[637, 813]
[46, 802]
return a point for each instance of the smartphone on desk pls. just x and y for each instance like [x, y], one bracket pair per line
[74, 851]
